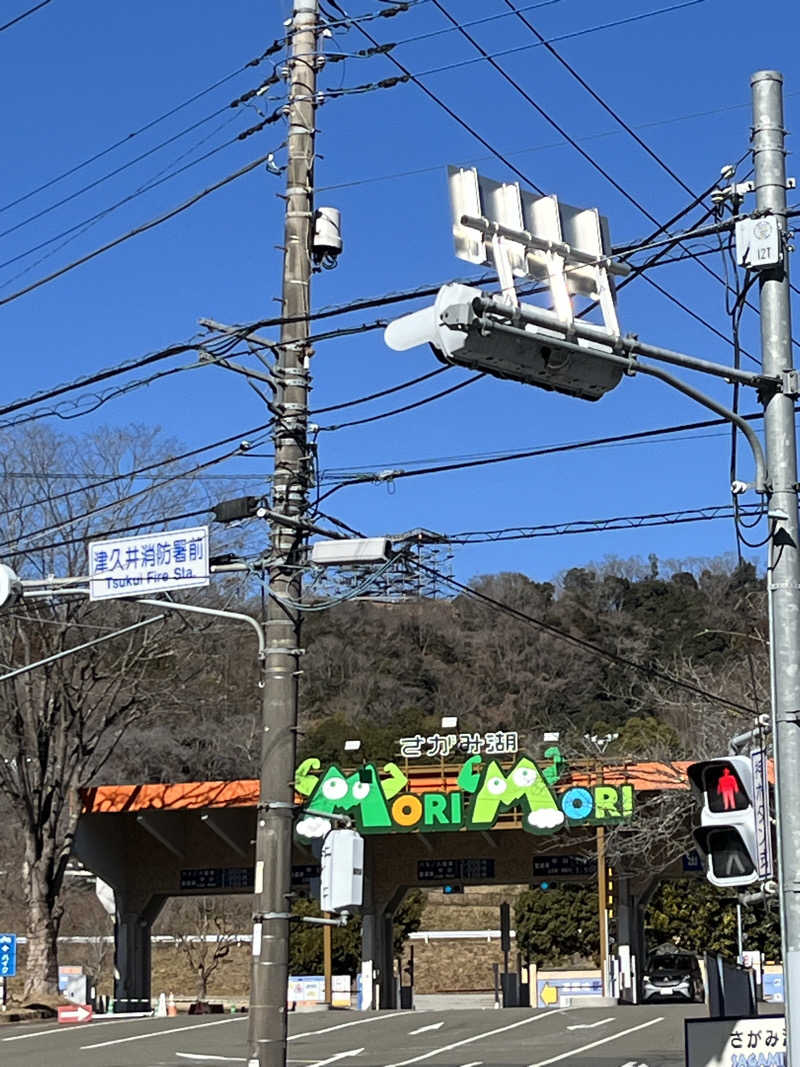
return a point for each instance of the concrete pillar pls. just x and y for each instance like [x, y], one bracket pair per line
[630, 948]
[132, 960]
[388, 983]
[368, 959]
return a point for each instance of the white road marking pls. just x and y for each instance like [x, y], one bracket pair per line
[162, 1033]
[342, 1026]
[591, 1026]
[338, 1056]
[477, 1037]
[56, 1029]
[634, 1063]
[423, 1029]
[475, 1063]
[595, 1044]
[202, 1056]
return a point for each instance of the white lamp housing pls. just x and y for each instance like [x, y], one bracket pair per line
[351, 551]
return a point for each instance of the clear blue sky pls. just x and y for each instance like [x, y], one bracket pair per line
[78, 76]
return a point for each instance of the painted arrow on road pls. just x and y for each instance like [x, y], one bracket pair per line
[591, 1026]
[424, 1029]
[634, 1063]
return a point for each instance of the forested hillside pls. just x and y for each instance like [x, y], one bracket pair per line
[380, 671]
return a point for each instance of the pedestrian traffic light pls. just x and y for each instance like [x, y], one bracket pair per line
[727, 835]
[534, 355]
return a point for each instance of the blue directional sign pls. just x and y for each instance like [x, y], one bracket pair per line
[8, 955]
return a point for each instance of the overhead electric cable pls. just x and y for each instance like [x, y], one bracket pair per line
[581, 526]
[382, 392]
[161, 521]
[273, 48]
[582, 642]
[581, 151]
[137, 472]
[407, 407]
[548, 450]
[24, 15]
[73, 519]
[143, 228]
[146, 188]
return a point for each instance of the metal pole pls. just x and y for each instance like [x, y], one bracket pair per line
[602, 893]
[267, 1022]
[739, 936]
[783, 568]
[327, 960]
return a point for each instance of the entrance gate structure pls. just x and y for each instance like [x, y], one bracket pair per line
[420, 824]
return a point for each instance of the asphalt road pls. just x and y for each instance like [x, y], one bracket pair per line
[646, 1036]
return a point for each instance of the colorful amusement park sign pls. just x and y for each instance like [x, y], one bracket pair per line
[380, 801]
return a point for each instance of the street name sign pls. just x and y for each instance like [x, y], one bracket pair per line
[75, 1013]
[148, 563]
[8, 955]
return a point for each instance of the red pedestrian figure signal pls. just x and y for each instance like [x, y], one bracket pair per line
[727, 788]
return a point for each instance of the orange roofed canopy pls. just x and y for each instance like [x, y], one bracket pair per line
[652, 777]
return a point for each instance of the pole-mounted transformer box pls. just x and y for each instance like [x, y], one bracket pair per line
[342, 874]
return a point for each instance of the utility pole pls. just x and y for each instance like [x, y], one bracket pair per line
[783, 569]
[274, 832]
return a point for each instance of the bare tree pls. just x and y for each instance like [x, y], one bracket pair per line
[209, 940]
[60, 723]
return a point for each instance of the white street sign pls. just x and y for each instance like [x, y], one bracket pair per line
[148, 563]
[758, 759]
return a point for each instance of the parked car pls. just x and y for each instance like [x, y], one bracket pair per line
[674, 975]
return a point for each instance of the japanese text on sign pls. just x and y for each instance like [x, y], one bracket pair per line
[754, 1042]
[8, 955]
[499, 743]
[150, 563]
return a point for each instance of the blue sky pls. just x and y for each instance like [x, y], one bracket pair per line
[77, 77]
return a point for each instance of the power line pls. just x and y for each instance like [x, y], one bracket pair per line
[146, 188]
[621, 122]
[101, 534]
[273, 48]
[407, 407]
[580, 526]
[24, 15]
[143, 228]
[73, 519]
[392, 475]
[584, 155]
[382, 392]
[137, 472]
[581, 642]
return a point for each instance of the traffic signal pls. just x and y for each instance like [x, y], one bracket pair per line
[452, 887]
[534, 356]
[727, 835]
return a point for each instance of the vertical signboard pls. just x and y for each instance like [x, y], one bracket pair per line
[758, 758]
[8, 955]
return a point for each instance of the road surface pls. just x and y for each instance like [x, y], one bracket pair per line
[645, 1036]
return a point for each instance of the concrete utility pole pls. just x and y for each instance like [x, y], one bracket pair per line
[267, 1022]
[783, 572]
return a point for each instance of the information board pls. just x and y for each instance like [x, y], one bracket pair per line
[238, 877]
[448, 870]
[563, 866]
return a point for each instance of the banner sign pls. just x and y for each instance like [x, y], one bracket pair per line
[380, 802]
[444, 870]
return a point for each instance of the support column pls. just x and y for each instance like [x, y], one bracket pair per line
[368, 958]
[132, 959]
[388, 984]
